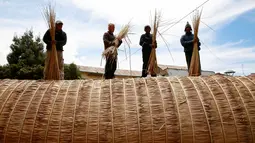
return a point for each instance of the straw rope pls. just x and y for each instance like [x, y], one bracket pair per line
[240, 93]
[203, 106]
[137, 111]
[50, 117]
[145, 110]
[37, 109]
[163, 105]
[216, 115]
[125, 108]
[149, 103]
[189, 109]
[29, 103]
[89, 103]
[15, 107]
[174, 101]
[231, 108]
[225, 111]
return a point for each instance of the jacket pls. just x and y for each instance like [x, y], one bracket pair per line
[60, 37]
[146, 41]
[187, 42]
[108, 39]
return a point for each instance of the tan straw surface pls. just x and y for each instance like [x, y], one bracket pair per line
[143, 110]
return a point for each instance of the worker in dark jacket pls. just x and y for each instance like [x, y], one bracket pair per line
[146, 43]
[60, 41]
[187, 42]
[109, 40]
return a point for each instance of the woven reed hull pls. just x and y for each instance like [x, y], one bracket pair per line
[175, 109]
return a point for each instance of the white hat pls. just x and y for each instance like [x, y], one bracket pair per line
[59, 22]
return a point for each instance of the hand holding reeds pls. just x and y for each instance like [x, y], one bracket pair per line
[195, 40]
[119, 38]
[117, 41]
[53, 42]
[111, 52]
[154, 45]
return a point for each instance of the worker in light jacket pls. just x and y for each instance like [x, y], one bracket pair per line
[187, 41]
[60, 41]
[109, 40]
[146, 43]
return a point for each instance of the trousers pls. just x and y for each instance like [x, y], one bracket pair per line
[146, 58]
[110, 68]
[188, 56]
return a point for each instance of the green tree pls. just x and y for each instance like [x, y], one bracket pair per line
[26, 59]
[72, 71]
[5, 72]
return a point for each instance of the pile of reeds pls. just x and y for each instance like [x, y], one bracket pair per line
[152, 65]
[176, 109]
[52, 69]
[195, 65]
[111, 53]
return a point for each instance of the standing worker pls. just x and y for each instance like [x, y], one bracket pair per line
[60, 41]
[187, 42]
[146, 43]
[109, 40]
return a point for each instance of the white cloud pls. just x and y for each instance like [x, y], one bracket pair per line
[218, 12]
[215, 58]
[88, 35]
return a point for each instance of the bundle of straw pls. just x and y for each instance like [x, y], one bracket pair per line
[52, 69]
[195, 66]
[152, 65]
[112, 52]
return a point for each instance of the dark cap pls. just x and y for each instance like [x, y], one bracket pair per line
[187, 26]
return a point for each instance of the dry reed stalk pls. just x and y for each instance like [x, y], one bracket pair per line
[152, 65]
[163, 109]
[111, 53]
[52, 69]
[195, 65]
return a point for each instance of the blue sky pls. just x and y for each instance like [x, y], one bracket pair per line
[229, 46]
[240, 28]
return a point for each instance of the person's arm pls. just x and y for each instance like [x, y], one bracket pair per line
[120, 42]
[156, 44]
[47, 38]
[63, 42]
[107, 42]
[199, 44]
[141, 40]
[185, 43]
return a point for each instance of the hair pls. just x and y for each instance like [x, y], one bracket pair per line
[110, 24]
[147, 26]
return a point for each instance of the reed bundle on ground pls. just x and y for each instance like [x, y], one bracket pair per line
[205, 109]
[52, 67]
[152, 65]
[195, 65]
[112, 52]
